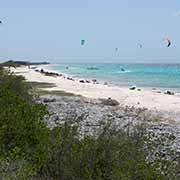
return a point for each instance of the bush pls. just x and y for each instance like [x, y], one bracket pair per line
[23, 135]
[16, 84]
[111, 155]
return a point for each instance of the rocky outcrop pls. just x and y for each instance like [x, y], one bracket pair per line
[132, 88]
[169, 92]
[49, 100]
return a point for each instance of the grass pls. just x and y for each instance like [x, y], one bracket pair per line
[39, 88]
[58, 93]
[39, 85]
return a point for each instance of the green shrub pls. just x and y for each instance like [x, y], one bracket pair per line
[110, 155]
[16, 84]
[23, 135]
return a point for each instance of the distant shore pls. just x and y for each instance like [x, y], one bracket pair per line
[140, 98]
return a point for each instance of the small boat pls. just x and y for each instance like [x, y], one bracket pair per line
[92, 68]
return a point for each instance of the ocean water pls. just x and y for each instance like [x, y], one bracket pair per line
[164, 76]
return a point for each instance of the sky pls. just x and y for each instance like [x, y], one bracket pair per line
[51, 30]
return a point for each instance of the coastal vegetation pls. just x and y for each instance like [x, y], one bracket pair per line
[39, 88]
[29, 149]
[12, 63]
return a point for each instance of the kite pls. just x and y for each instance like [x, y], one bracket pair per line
[140, 45]
[82, 42]
[168, 42]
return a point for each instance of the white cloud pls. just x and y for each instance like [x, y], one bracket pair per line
[177, 13]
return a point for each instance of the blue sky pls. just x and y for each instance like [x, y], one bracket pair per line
[51, 30]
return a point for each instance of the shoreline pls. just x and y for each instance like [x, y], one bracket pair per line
[112, 84]
[153, 101]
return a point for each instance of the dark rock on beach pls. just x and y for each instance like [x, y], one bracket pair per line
[46, 73]
[94, 81]
[169, 92]
[87, 81]
[132, 88]
[51, 74]
[69, 78]
[109, 102]
[81, 81]
[49, 100]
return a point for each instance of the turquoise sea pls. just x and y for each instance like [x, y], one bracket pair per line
[166, 76]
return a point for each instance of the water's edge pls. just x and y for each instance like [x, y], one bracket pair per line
[161, 76]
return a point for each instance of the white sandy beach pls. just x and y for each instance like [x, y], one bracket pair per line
[144, 98]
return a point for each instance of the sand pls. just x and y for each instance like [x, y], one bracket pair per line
[144, 98]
